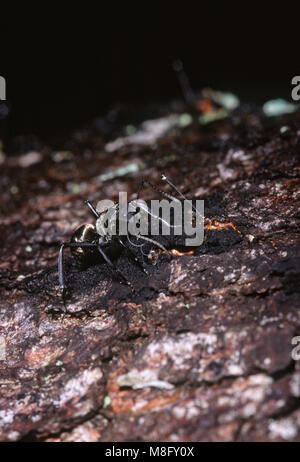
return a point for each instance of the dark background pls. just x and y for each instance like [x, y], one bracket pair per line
[65, 67]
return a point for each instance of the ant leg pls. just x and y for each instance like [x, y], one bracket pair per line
[110, 263]
[61, 263]
[133, 257]
[148, 239]
[61, 272]
[132, 243]
[92, 209]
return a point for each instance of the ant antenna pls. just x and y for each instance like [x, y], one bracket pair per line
[184, 82]
[92, 209]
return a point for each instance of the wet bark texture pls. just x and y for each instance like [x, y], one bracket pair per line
[201, 351]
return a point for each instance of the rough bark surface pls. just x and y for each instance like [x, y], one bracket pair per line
[202, 350]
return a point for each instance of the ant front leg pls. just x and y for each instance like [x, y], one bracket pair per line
[61, 272]
[61, 263]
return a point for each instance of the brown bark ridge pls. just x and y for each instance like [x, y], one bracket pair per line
[201, 351]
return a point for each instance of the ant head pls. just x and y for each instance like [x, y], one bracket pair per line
[84, 233]
[107, 214]
[104, 206]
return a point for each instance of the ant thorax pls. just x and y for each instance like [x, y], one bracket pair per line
[114, 217]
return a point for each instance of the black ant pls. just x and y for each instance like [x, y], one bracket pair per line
[86, 239]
